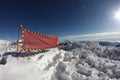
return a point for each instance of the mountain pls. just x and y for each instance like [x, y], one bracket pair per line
[85, 60]
[103, 43]
[118, 45]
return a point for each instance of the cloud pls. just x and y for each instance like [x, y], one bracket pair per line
[109, 36]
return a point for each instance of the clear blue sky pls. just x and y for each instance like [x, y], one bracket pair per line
[66, 17]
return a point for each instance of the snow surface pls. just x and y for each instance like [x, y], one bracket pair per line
[77, 61]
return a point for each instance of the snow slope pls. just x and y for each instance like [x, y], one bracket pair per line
[78, 61]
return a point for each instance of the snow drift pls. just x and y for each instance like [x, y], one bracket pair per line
[77, 61]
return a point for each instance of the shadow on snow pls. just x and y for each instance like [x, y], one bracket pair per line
[24, 54]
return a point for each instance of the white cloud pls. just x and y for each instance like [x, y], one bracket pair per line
[109, 36]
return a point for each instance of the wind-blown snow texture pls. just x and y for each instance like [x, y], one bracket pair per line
[78, 61]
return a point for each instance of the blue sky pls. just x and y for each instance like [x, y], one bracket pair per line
[65, 17]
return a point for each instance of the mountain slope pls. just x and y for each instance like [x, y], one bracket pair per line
[77, 61]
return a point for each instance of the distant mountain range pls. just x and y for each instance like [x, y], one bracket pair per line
[109, 43]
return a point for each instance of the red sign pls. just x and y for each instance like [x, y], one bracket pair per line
[37, 41]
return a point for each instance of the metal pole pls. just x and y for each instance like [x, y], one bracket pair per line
[18, 41]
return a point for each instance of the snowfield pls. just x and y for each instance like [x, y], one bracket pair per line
[77, 61]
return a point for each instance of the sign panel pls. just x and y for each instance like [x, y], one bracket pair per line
[37, 41]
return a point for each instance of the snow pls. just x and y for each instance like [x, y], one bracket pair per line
[77, 61]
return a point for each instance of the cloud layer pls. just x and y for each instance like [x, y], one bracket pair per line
[109, 36]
